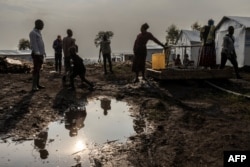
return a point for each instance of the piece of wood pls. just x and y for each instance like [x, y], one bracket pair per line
[177, 74]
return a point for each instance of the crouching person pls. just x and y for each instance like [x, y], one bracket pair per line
[78, 69]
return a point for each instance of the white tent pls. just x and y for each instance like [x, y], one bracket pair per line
[242, 38]
[188, 38]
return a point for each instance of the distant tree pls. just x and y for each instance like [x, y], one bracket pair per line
[196, 26]
[172, 34]
[100, 35]
[24, 44]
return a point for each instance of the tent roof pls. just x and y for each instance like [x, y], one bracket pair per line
[244, 21]
[193, 36]
[14, 52]
[153, 46]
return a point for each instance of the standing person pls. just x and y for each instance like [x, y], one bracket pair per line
[78, 69]
[57, 45]
[208, 54]
[37, 53]
[228, 51]
[67, 43]
[105, 49]
[140, 51]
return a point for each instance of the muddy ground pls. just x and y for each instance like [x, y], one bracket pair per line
[177, 123]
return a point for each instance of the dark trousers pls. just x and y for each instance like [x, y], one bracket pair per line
[67, 63]
[81, 74]
[105, 58]
[37, 63]
[58, 61]
[232, 59]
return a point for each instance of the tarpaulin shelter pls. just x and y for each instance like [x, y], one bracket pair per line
[242, 38]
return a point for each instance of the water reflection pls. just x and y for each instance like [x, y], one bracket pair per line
[74, 119]
[40, 144]
[68, 142]
[105, 105]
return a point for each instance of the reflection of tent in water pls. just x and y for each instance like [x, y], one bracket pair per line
[74, 119]
[105, 105]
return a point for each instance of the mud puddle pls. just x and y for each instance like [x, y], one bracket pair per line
[69, 141]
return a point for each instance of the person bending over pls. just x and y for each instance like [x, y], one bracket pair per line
[78, 69]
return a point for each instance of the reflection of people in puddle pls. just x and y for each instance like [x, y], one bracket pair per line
[74, 119]
[40, 143]
[105, 105]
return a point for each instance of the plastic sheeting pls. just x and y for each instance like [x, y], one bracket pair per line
[13, 61]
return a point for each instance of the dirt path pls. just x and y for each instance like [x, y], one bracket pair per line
[177, 123]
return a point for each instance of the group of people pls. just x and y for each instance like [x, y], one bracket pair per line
[186, 61]
[208, 53]
[207, 57]
[70, 49]
[73, 63]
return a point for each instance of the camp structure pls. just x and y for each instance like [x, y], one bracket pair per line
[188, 42]
[242, 38]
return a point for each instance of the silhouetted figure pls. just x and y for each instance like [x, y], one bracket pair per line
[57, 45]
[78, 69]
[67, 43]
[187, 62]
[105, 105]
[66, 77]
[37, 53]
[177, 61]
[140, 51]
[105, 49]
[208, 54]
[228, 51]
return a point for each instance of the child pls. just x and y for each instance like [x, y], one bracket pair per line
[177, 61]
[78, 69]
[187, 62]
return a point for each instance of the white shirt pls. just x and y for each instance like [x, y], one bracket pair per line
[36, 42]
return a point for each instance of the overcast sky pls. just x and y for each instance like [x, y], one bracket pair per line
[124, 17]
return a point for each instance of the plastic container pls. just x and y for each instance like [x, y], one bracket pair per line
[158, 61]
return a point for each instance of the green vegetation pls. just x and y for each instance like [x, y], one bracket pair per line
[100, 35]
[24, 44]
